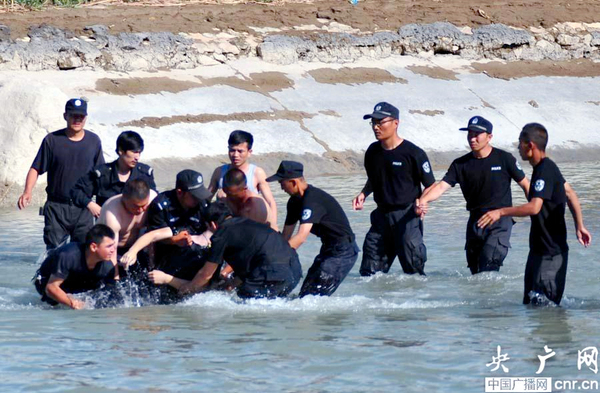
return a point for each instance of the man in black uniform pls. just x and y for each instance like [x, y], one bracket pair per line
[484, 176]
[319, 213]
[77, 267]
[546, 268]
[108, 180]
[66, 155]
[396, 168]
[264, 264]
[181, 211]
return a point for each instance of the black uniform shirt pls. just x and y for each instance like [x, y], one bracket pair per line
[548, 234]
[485, 182]
[68, 263]
[396, 175]
[317, 207]
[66, 161]
[165, 211]
[253, 250]
[103, 181]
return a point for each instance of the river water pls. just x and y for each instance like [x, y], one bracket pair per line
[384, 333]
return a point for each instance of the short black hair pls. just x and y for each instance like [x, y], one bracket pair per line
[217, 212]
[536, 133]
[234, 177]
[97, 234]
[137, 189]
[238, 136]
[129, 140]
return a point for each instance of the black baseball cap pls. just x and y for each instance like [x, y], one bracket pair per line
[192, 182]
[383, 110]
[287, 170]
[478, 124]
[77, 106]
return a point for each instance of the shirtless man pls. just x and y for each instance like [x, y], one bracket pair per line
[243, 202]
[240, 149]
[126, 214]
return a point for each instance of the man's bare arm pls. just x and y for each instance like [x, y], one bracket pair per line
[30, 180]
[583, 235]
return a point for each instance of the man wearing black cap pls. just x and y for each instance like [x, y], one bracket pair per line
[484, 176]
[66, 155]
[181, 211]
[396, 168]
[318, 213]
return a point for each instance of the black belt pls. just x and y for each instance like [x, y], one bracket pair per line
[66, 201]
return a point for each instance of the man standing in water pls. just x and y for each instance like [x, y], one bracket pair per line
[66, 155]
[77, 267]
[108, 180]
[318, 213]
[396, 168]
[546, 268]
[484, 176]
[240, 149]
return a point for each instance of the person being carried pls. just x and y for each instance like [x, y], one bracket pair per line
[107, 180]
[240, 149]
[264, 264]
[242, 201]
[484, 176]
[396, 168]
[126, 214]
[77, 267]
[66, 155]
[546, 269]
[318, 213]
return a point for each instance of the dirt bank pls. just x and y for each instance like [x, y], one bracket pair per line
[367, 15]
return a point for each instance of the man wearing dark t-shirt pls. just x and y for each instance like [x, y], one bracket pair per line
[66, 155]
[180, 210]
[318, 213]
[264, 264]
[108, 180]
[484, 176]
[396, 169]
[546, 269]
[77, 267]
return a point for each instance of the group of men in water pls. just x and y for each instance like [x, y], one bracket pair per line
[234, 242]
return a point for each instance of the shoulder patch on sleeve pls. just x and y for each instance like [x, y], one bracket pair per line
[539, 185]
[426, 167]
[306, 213]
[518, 164]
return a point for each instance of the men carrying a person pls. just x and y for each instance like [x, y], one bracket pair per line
[319, 213]
[126, 214]
[546, 268]
[242, 201]
[484, 176]
[240, 148]
[264, 264]
[66, 155]
[396, 168]
[107, 180]
[77, 267]
[179, 213]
